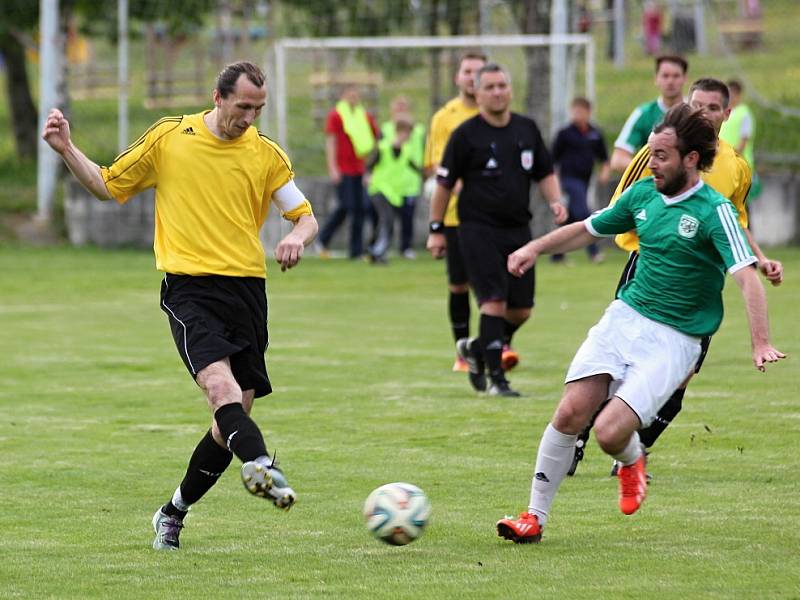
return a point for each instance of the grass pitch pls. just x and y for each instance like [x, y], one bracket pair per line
[100, 419]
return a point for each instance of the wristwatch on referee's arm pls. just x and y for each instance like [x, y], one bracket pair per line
[436, 227]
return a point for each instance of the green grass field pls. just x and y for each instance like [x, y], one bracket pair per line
[100, 419]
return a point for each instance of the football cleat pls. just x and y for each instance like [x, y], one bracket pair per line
[501, 387]
[509, 359]
[168, 531]
[577, 457]
[523, 530]
[477, 376]
[460, 366]
[263, 478]
[632, 485]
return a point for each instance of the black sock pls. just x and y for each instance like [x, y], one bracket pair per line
[170, 510]
[208, 462]
[510, 330]
[459, 314]
[668, 412]
[240, 432]
[491, 337]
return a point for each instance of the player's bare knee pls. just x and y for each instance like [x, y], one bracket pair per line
[221, 389]
[248, 397]
[569, 418]
[458, 288]
[611, 436]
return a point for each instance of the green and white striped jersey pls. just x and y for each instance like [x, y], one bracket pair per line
[685, 245]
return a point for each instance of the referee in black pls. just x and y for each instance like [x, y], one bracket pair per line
[495, 154]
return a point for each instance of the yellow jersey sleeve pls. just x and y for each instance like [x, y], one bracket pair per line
[636, 170]
[739, 197]
[135, 169]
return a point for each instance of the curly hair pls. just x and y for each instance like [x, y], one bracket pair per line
[694, 131]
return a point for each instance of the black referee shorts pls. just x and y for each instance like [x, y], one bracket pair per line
[456, 271]
[213, 317]
[485, 250]
[628, 273]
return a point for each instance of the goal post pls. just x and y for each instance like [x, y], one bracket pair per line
[562, 64]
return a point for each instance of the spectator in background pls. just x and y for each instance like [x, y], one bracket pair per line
[575, 150]
[351, 136]
[395, 182]
[740, 132]
[400, 107]
[652, 25]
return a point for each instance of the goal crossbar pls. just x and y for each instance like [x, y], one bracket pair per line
[464, 41]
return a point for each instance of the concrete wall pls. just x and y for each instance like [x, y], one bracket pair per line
[774, 216]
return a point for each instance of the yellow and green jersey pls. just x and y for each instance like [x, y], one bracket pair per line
[686, 243]
[212, 195]
[443, 123]
[730, 175]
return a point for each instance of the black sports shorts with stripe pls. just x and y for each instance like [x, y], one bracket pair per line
[213, 317]
[627, 274]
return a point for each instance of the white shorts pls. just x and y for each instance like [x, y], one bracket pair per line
[647, 360]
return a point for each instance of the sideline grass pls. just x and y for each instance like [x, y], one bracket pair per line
[100, 419]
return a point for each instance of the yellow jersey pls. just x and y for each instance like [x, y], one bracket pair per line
[443, 123]
[730, 175]
[212, 195]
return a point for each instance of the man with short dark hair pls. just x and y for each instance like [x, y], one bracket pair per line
[648, 340]
[576, 149]
[497, 154]
[670, 77]
[215, 176]
[443, 123]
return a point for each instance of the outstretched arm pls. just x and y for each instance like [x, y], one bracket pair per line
[56, 133]
[564, 239]
[756, 305]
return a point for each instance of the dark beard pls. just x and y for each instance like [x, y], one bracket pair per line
[675, 185]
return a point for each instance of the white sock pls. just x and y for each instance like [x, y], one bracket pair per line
[552, 463]
[631, 453]
[178, 501]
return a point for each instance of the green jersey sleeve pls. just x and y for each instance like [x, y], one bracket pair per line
[729, 239]
[614, 219]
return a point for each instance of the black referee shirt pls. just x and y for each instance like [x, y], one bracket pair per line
[496, 165]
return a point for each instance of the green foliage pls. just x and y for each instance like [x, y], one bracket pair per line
[101, 417]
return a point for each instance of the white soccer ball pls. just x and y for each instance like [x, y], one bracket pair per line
[397, 513]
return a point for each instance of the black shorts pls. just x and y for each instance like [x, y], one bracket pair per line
[485, 250]
[456, 271]
[627, 274]
[213, 317]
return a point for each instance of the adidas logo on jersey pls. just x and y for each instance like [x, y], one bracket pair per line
[491, 164]
[641, 215]
[188, 131]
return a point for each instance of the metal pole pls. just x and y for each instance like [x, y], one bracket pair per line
[700, 27]
[47, 163]
[590, 73]
[122, 75]
[558, 67]
[280, 94]
[619, 33]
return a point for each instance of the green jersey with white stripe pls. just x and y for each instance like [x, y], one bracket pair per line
[639, 124]
[685, 245]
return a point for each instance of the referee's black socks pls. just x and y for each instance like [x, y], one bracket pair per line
[241, 434]
[491, 338]
[459, 314]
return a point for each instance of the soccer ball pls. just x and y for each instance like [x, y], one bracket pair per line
[397, 513]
